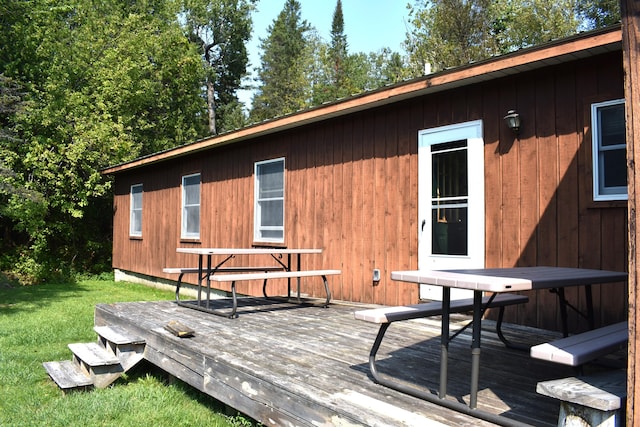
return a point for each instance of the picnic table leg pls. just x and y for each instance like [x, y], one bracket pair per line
[178, 287]
[199, 279]
[427, 394]
[233, 314]
[444, 342]
[589, 298]
[475, 348]
[504, 339]
[208, 279]
[563, 311]
[326, 289]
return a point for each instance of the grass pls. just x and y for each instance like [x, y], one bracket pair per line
[37, 323]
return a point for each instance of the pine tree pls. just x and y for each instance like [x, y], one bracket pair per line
[337, 64]
[283, 83]
[338, 54]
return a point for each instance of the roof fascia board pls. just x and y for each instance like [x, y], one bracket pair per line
[530, 58]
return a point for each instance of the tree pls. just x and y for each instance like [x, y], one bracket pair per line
[104, 83]
[449, 33]
[284, 86]
[525, 23]
[599, 13]
[220, 29]
[338, 55]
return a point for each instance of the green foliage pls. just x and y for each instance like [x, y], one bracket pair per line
[220, 29]
[599, 13]
[102, 83]
[36, 325]
[284, 84]
[300, 70]
[449, 33]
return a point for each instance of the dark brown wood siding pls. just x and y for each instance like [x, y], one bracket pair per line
[351, 189]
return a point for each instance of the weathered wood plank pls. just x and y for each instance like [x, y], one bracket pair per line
[604, 391]
[93, 354]
[291, 363]
[67, 375]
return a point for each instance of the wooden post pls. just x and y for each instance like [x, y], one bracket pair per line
[630, 13]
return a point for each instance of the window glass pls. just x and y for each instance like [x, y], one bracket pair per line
[269, 201]
[449, 198]
[191, 206]
[135, 222]
[609, 150]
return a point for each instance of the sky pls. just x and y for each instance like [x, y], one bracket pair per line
[369, 25]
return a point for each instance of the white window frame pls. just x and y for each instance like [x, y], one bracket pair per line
[184, 233]
[258, 227]
[135, 215]
[599, 192]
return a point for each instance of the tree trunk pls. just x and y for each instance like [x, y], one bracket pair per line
[211, 107]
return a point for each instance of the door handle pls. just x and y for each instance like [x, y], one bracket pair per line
[424, 222]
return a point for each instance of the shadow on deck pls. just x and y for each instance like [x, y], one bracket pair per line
[301, 365]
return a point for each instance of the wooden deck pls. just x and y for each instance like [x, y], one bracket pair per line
[292, 365]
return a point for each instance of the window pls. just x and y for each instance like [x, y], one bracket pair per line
[190, 207]
[269, 201]
[135, 219]
[609, 150]
[449, 198]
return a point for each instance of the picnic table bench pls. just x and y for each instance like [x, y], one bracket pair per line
[494, 280]
[578, 349]
[594, 399]
[208, 273]
[385, 316]
[265, 276]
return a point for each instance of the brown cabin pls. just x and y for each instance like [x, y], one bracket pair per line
[422, 174]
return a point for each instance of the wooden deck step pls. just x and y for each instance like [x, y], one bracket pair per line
[67, 375]
[101, 365]
[117, 335]
[123, 344]
[93, 354]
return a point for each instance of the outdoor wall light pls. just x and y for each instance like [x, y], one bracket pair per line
[512, 119]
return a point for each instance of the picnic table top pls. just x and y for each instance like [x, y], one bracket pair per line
[510, 279]
[248, 251]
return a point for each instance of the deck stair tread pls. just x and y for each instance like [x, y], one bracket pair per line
[93, 354]
[118, 335]
[67, 375]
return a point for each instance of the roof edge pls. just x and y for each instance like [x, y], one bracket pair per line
[483, 70]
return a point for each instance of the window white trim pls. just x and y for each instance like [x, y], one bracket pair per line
[190, 228]
[135, 210]
[600, 192]
[271, 198]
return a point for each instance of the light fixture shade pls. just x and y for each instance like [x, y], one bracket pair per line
[512, 119]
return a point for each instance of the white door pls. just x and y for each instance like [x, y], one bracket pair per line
[450, 201]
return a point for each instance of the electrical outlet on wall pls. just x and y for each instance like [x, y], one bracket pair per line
[376, 274]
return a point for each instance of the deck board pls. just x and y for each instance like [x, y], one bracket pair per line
[285, 364]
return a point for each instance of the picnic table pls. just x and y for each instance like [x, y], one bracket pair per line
[207, 271]
[495, 280]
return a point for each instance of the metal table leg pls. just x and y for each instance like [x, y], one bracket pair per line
[444, 342]
[475, 348]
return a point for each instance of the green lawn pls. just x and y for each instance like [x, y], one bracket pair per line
[37, 323]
